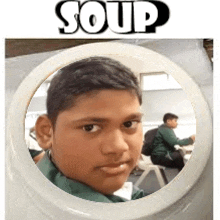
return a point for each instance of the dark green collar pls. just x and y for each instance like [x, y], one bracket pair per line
[76, 188]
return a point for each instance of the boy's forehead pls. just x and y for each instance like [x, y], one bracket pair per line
[106, 93]
[102, 103]
[174, 119]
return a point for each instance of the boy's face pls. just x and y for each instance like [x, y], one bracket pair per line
[172, 123]
[98, 141]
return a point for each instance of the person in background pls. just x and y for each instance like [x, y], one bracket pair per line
[163, 150]
[92, 132]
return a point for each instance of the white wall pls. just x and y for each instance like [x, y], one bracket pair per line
[157, 103]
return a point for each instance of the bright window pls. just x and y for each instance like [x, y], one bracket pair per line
[42, 90]
[158, 81]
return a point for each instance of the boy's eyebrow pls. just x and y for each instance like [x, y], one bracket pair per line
[100, 119]
[134, 115]
[92, 119]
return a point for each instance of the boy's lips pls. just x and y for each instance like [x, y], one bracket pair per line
[114, 168]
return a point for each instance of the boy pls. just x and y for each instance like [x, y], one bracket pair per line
[164, 152]
[92, 131]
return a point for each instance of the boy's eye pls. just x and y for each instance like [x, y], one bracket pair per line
[91, 128]
[130, 124]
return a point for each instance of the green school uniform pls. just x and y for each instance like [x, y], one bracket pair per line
[76, 188]
[165, 140]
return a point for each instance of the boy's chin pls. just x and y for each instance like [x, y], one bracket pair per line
[109, 189]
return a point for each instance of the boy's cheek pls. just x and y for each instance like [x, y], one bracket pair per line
[138, 140]
[137, 147]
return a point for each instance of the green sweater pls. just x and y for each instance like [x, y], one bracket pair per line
[76, 188]
[165, 140]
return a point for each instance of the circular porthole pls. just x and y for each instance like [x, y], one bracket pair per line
[55, 203]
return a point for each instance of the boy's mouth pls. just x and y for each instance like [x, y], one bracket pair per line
[114, 168]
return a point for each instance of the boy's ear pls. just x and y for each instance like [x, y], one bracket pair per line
[44, 132]
[168, 121]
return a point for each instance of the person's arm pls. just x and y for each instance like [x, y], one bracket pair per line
[193, 137]
[170, 138]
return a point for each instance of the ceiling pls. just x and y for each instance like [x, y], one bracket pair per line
[18, 47]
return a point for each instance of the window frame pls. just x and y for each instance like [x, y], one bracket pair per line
[142, 75]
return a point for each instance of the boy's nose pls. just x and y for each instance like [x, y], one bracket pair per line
[114, 143]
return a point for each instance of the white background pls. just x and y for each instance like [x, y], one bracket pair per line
[188, 19]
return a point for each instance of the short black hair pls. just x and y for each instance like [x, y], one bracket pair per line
[169, 116]
[84, 76]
